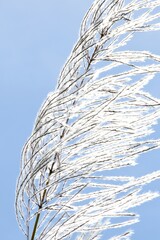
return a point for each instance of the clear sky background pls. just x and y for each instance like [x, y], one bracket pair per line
[36, 37]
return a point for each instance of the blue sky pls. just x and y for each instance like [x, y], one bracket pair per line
[36, 37]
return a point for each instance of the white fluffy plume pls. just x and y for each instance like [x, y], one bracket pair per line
[97, 120]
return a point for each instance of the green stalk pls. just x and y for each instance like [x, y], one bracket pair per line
[44, 195]
[35, 226]
[38, 214]
[42, 201]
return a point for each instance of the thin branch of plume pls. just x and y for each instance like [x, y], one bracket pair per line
[98, 119]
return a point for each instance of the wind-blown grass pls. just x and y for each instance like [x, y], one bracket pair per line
[97, 120]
